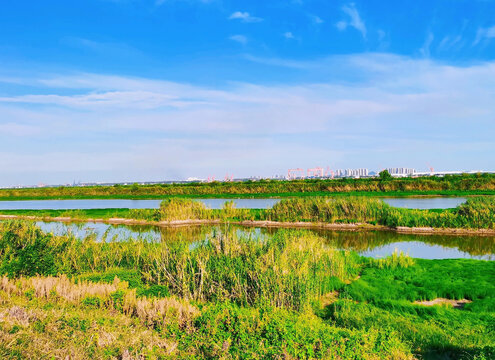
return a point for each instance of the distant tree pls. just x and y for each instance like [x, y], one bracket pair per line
[134, 187]
[385, 175]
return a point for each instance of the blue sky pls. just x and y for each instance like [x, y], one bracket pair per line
[124, 90]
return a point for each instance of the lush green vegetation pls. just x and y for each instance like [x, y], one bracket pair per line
[476, 213]
[286, 296]
[222, 268]
[227, 295]
[477, 184]
[385, 295]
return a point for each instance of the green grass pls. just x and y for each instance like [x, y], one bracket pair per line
[457, 185]
[236, 297]
[385, 295]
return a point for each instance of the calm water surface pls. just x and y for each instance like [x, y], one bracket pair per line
[413, 203]
[375, 244]
[425, 203]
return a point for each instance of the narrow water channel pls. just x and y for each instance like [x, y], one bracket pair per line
[368, 243]
[413, 203]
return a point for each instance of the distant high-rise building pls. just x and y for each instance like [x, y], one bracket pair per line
[351, 173]
[401, 171]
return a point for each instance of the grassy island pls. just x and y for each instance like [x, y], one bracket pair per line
[476, 213]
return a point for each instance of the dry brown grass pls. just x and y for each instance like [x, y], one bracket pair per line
[44, 330]
[151, 312]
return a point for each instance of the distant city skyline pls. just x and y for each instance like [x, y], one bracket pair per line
[128, 90]
[291, 175]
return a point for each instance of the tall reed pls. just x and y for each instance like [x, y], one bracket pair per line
[290, 269]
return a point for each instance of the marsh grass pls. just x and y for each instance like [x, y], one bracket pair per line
[476, 213]
[290, 269]
[232, 296]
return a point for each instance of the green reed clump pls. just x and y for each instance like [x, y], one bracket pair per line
[183, 209]
[26, 250]
[290, 269]
[397, 259]
[144, 214]
[476, 213]
[229, 211]
[479, 212]
[327, 209]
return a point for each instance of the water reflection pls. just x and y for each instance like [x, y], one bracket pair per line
[369, 243]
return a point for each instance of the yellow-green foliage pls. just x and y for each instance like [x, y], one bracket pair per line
[183, 209]
[397, 259]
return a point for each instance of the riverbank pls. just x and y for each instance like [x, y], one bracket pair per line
[458, 185]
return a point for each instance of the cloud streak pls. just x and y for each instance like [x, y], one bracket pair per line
[241, 39]
[354, 20]
[244, 17]
[484, 34]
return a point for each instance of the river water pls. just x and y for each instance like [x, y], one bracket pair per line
[413, 203]
[372, 244]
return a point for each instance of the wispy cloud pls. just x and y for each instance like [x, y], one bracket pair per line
[316, 19]
[483, 34]
[354, 20]
[425, 49]
[289, 35]
[241, 39]
[244, 17]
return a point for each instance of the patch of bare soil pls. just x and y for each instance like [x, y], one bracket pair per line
[456, 304]
[329, 298]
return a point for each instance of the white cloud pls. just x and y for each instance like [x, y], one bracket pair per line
[288, 35]
[354, 20]
[244, 17]
[239, 38]
[484, 33]
[405, 105]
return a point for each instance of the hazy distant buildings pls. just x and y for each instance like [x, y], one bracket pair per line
[351, 173]
[401, 171]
